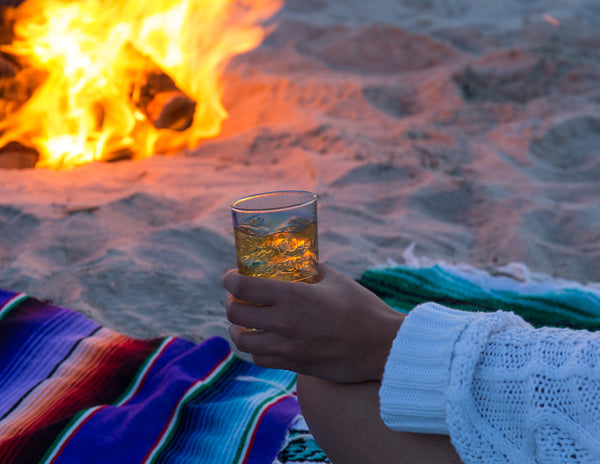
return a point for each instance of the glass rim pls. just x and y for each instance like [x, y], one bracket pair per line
[312, 198]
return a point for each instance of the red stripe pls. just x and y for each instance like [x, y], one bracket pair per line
[91, 376]
[148, 369]
[80, 425]
[249, 448]
[73, 432]
[6, 303]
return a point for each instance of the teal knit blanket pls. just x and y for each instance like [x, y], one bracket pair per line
[539, 299]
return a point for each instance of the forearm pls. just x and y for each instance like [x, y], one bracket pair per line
[344, 421]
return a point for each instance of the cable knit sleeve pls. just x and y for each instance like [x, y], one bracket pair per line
[504, 391]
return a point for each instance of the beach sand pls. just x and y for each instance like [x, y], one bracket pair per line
[468, 127]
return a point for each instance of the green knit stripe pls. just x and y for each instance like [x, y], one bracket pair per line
[560, 304]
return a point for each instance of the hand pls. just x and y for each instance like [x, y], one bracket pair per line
[334, 329]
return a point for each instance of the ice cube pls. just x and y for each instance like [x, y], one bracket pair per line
[253, 225]
[293, 225]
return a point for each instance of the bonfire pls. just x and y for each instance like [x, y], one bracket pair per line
[97, 80]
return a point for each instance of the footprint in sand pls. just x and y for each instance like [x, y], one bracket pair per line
[393, 100]
[375, 48]
[500, 85]
[569, 151]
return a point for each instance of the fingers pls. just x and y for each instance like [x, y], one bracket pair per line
[268, 349]
[273, 307]
[247, 315]
[253, 289]
[264, 291]
[255, 342]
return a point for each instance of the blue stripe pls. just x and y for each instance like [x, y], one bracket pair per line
[213, 424]
[5, 296]
[33, 341]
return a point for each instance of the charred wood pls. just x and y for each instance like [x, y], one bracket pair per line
[17, 156]
[164, 104]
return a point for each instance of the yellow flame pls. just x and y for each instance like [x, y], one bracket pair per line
[92, 56]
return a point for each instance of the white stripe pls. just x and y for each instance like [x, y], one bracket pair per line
[67, 435]
[142, 375]
[15, 300]
[255, 423]
[180, 404]
[272, 383]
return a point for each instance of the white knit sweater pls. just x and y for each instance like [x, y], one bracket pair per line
[504, 391]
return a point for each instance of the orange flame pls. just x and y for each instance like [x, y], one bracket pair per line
[91, 57]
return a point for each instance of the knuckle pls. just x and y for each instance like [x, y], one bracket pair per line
[246, 340]
[232, 283]
[288, 328]
[260, 360]
[232, 312]
[283, 326]
[293, 293]
[287, 349]
[301, 295]
[237, 312]
[228, 301]
[233, 334]
[291, 326]
[234, 287]
[243, 345]
[237, 338]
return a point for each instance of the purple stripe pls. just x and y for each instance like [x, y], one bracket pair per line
[272, 430]
[40, 333]
[129, 431]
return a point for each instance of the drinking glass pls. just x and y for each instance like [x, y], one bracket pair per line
[276, 235]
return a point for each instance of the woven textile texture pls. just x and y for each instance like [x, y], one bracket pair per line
[503, 390]
[75, 392]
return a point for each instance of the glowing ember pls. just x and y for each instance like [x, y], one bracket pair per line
[551, 20]
[91, 63]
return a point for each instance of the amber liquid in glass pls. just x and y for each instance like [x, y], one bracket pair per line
[288, 253]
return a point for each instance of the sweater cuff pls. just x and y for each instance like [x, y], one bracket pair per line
[417, 372]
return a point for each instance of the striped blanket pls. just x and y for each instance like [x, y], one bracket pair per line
[73, 392]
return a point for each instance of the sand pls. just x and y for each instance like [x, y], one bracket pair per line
[470, 128]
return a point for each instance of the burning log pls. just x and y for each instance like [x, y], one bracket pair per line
[164, 104]
[13, 155]
[171, 110]
[17, 156]
[7, 68]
